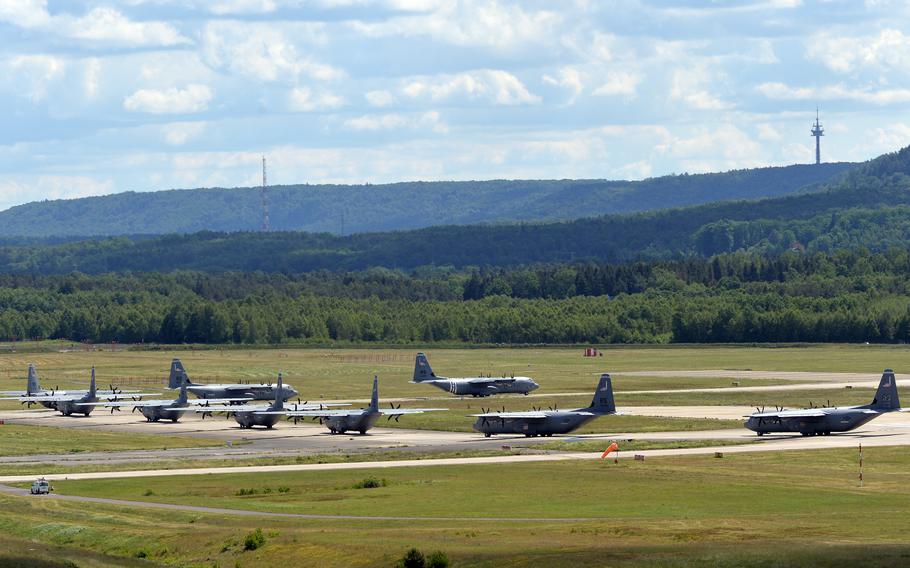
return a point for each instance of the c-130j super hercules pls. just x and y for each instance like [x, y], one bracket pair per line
[823, 421]
[470, 386]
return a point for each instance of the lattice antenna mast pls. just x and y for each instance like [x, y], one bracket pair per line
[264, 195]
[818, 132]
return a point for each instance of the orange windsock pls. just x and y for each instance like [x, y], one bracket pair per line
[611, 448]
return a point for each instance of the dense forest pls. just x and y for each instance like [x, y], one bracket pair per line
[412, 205]
[867, 211]
[845, 296]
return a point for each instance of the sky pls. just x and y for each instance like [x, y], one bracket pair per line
[101, 97]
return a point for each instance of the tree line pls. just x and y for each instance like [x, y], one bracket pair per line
[844, 296]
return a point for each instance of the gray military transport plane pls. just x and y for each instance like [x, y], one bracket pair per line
[260, 391]
[249, 415]
[173, 410]
[548, 422]
[472, 386]
[78, 402]
[340, 421]
[33, 389]
[823, 421]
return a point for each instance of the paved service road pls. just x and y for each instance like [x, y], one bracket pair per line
[890, 431]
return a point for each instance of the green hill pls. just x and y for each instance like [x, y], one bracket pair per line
[868, 206]
[399, 206]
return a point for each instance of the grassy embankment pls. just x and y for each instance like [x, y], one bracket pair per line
[759, 509]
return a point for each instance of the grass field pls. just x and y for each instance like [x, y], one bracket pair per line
[761, 510]
[346, 373]
[765, 509]
[18, 440]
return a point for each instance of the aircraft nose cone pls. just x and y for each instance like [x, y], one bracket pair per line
[534, 386]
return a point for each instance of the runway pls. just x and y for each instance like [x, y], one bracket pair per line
[888, 430]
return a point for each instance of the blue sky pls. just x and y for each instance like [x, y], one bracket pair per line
[137, 95]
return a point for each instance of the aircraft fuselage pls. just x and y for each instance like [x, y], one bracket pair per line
[560, 422]
[835, 420]
[464, 387]
[355, 423]
[155, 413]
[253, 392]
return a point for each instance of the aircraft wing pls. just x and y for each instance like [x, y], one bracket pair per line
[808, 413]
[52, 398]
[400, 411]
[231, 408]
[307, 408]
[325, 413]
[215, 401]
[491, 381]
[135, 403]
[531, 415]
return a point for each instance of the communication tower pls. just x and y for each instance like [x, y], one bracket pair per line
[264, 195]
[818, 132]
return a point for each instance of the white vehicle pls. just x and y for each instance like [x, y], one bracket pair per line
[40, 487]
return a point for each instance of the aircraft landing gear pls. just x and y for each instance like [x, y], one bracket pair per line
[363, 432]
[487, 434]
[760, 433]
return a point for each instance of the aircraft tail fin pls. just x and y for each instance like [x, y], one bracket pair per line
[91, 385]
[178, 375]
[33, 385]
[422, 369]
[279, 394]
[886, 396]
[374, 400]
[181, 398]
[603, 397]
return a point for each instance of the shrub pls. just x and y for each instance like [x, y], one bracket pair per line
[415, 559]
[371, 483]
[148, 493]
[438, 559]
[412, 559]
[254, 540]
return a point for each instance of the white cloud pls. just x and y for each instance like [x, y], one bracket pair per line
[380, 98]
[889, 49]
[109, 25]
[429, 120]
[194, 98]
[768, 133]
[714, 149]
[262, 52]
[691, 85]
[567, 78]
[303, 99]
[879, 97]
[471, 23]
[21, 189]
[34, 73]
[101, 24]
[242, 7]
[496, 86]
[24, 13]
[178, 133]
[619, 83]
[90, 80]
[635, 170]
